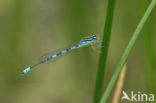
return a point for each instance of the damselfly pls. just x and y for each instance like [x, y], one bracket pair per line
[93, 41]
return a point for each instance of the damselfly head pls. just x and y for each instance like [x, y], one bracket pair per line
[95, 37]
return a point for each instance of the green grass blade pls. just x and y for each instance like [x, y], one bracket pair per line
[149, 50]
[104, 51]
[127, 52]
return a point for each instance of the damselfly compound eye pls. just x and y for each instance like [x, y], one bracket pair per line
[94, 37]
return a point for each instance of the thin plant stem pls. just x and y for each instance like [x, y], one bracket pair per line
[127, 52]
[104, 51]
[119, 85]
[149, 50]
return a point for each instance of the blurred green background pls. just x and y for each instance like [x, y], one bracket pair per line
[30, 28]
